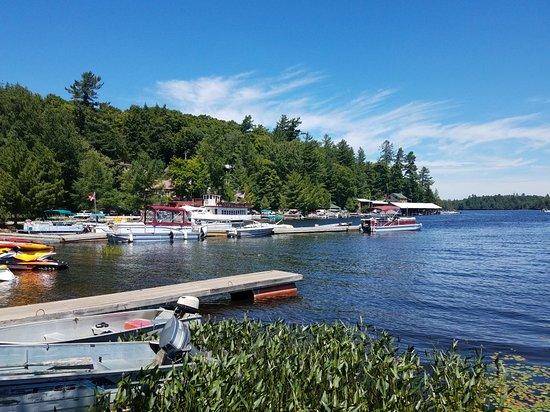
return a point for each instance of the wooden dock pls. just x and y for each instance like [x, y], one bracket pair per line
[282, 230]
[135, 299]
[51, 239]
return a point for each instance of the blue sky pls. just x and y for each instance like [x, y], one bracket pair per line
[466, 85]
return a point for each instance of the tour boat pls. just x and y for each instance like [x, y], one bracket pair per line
[390, 225]
[160, 223]
[218, 216]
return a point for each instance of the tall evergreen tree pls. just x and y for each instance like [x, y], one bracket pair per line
[386, 153]
[397, 182]
[412, 187]
[84, 91]
[247, 125]
[287, 129]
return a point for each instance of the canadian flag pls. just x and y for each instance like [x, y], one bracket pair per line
[91, 196]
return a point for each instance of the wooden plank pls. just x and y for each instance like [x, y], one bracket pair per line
[134, 299]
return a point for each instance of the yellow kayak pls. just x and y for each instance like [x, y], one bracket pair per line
[24, 246]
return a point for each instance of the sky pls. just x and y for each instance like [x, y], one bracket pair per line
[465, 85]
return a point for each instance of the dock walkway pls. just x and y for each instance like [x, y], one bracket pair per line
[134, 299]
[282, 230]
[57, 238]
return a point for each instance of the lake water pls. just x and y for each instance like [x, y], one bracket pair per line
[480, 277]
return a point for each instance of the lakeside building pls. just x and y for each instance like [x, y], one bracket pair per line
[405, 208]
[397, 197]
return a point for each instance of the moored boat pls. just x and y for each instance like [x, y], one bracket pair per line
[254, 229]
[161, 223]
[68, 376]
[215, 214]
[39, 260]
[397, 224]
[95, 328]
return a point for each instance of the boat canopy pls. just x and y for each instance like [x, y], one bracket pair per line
[166, 216]
[61, 212]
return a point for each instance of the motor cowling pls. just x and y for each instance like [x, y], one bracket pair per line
[175, 338]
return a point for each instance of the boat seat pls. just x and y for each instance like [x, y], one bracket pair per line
[54, 337]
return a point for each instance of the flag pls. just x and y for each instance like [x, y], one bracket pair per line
[91, 196]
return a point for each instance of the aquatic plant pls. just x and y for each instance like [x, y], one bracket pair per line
[280, 366]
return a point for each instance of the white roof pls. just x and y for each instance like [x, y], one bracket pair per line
[411, 205]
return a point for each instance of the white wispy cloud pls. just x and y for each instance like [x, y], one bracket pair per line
[364, 119]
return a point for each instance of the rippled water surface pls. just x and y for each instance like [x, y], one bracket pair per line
[480, 277]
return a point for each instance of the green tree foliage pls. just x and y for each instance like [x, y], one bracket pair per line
[31, 179]
[191, 177]
[386, 153]
[247, 125]
[411, 187]
[300, 193]
[122, 154]
[397, 182]
[95, 176]
[84, 91]
[499, 202]
[287, 129]
[138, 180]
[268, 185]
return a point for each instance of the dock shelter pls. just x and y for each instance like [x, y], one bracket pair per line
[413, 208]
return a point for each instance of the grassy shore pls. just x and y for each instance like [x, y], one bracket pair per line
[280, 366]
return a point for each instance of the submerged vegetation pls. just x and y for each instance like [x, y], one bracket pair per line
[55, 152]
[280, 366]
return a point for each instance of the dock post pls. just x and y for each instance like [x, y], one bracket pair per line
[287, 290]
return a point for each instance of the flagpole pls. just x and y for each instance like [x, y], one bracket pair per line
[95, 203]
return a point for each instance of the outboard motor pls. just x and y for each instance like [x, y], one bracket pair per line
[175, 336]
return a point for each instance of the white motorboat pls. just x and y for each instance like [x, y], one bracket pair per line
[253, 229]
[50, 226]
[95, 328]
[6, 275]
[449, 212]
[161, 223]
[546, 210]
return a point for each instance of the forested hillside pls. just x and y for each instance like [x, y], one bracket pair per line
[499, 202]
[56, 151]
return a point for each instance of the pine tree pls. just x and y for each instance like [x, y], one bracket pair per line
[412, 187]
[247, 124]
[397, 182]
[386, 153]
[84, 91]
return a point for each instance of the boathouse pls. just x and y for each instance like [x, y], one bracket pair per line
[415, 208]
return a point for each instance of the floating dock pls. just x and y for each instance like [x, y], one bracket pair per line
[259, 284]
[57, 238]
[282, 230]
